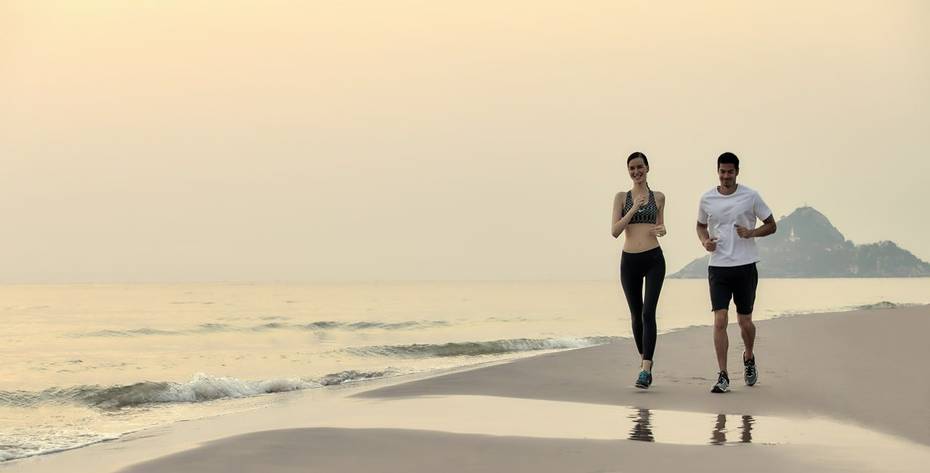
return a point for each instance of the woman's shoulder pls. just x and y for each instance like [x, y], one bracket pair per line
[659, 195]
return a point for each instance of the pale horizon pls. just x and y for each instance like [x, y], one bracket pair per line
[417, 141]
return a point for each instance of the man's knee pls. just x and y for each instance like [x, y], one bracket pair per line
[745, 321]
[720, 319]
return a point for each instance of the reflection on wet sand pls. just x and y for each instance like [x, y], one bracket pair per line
[719, 436]
[746, 434]
[642, 428]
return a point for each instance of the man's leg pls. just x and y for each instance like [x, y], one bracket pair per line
[744, 295]
[720, 293]
[721, 342]
[748, 331]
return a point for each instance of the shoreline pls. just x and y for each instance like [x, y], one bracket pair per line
[839, 384]
[823, 378]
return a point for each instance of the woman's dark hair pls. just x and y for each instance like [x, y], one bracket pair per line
[728, 158]
[638, 155]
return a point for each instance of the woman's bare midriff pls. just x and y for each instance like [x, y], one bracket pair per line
[637, 238]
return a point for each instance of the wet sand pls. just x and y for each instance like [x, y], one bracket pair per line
[837, 392]
[867, 367]
[395, 450]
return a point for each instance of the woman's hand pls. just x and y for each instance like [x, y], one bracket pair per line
[658, 231]
[639, 202]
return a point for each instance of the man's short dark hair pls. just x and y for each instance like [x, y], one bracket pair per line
[728, 158]
[635, 155]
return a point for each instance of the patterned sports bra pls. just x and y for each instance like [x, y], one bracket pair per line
[646, 214]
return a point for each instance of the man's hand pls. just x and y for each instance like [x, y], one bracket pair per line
[743, 232]
[710, 244]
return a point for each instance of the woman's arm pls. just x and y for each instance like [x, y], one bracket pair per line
[659, 230]
[619, 222]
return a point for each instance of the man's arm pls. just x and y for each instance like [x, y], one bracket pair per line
[709, 244]
[768, 227]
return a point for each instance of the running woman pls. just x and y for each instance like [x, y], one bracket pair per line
[639, 214]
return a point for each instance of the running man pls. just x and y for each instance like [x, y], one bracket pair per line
[726, 226]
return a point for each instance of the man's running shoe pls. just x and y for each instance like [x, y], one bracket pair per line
[723, 383]
[751, 374]
[644, 380]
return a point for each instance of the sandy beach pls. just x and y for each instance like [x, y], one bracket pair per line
[362, 237]
[837, 392]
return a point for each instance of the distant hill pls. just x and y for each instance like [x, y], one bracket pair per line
[807, 245]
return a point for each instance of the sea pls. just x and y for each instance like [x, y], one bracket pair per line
[86, 363]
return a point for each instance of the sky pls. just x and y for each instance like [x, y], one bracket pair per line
[170, 140]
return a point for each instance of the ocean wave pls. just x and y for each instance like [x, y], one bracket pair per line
[493, 347]
[16, 446]
[313, 326]
[351, 376]
[201, 388]
[826, 310]
[212, 327]
[128, 333]
[878, 305]
[413, 324]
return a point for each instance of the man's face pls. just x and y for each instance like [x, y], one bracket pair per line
[727, 173]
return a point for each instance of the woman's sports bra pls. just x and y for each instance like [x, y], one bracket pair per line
[647, 213]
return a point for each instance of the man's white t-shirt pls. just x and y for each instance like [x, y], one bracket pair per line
[721, 213]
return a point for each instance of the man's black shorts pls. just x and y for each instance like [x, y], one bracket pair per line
[738, 282]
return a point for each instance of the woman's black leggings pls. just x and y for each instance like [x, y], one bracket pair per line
[634, 268]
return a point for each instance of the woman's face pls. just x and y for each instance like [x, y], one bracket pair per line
[638, 170]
